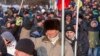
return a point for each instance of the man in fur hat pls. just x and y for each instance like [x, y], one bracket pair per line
[50, 43]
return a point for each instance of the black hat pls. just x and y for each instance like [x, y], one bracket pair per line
[25, 45]
[26, 12]
[52, 24]
[68, 13]
[69, 28]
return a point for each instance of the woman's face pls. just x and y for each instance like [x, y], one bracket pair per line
[93, 24]
[87, 16]
[12, 25]
[68, 17]
[8, 25]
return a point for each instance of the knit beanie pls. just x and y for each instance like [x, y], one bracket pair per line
[69, 28]
[25, 45]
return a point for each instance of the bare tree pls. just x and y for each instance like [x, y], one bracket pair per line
[38, 2]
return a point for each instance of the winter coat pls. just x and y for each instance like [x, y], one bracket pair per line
[45, 48]
[25, 33]
[83, 44]
[93, 36]
[27, 23]
[3, 49]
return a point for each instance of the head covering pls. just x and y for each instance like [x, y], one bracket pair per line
[52, 24]
[68, 13]
[8, 35]
[69, 28]
[26, 12]
[26, 46]
[94, 21]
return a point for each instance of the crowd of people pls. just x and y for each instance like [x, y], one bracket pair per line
[36, 31]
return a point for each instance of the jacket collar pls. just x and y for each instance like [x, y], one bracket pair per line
[45, 39]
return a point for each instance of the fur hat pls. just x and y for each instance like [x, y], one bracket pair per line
[52, 24]
[26, 45]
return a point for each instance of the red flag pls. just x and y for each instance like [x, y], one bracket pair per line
[59, 4]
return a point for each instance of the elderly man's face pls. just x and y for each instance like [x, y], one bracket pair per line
[52, 33]
[70, 34]
[20, 53]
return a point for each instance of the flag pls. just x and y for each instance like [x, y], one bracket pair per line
[80, 4]
[66, 3]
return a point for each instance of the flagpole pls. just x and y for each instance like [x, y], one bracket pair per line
[21, 6]
[62, 28]
[77, 19]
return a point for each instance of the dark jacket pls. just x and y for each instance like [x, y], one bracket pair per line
[83, 44]
[3, 49]
[27, 23]
[36, 31]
